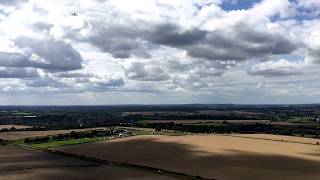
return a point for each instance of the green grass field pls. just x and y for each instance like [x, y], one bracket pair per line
[53, 143]
[64, 142]
[22, 113]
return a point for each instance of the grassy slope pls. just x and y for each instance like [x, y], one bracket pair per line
[52, 144]
[64, 142]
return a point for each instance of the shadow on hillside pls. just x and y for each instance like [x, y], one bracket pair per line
[20, 163]
[184, 158]
[14, 158]
[313, 154]
[102, 172]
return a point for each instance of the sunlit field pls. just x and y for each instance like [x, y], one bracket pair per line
[211, 156]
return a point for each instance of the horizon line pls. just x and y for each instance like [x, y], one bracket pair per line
[175, 104]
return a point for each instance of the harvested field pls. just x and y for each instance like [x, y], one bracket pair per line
[20, 163]
[27, 134]
[82, 173]
[15, 126]
[211, 156]
[14, 158]
[281, 138]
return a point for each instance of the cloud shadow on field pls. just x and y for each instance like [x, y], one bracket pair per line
[231, 164]
[102, 172]
[313, 154]
[17, 163]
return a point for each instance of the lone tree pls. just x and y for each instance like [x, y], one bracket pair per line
[27, 140]
[74, 134]
[2, 142]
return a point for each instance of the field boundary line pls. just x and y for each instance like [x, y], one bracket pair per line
[48, 167]
[269, 139]
[153, 170]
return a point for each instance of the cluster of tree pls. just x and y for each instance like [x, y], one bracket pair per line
[226, 128]
[36, 140]
[232, 128]
[3, 142]
[8, 130]
[24, 129]
[72, 135]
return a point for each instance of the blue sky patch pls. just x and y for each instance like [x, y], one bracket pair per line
[238, 4]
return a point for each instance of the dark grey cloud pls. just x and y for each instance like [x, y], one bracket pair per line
[314, 55]
[123, 41]
[120, 41]
[18, 73]
[45, 54]
[172, 35]
[52, 55]
[12, 2]
[240, 42]
[45, 81]
[8, 59]
[273, 72]
[219, 45]
[264, 41]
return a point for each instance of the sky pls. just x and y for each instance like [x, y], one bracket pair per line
[100, 52]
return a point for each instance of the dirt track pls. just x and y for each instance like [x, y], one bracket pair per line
[211, 156]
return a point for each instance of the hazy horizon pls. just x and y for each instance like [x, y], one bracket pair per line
[192, 104]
